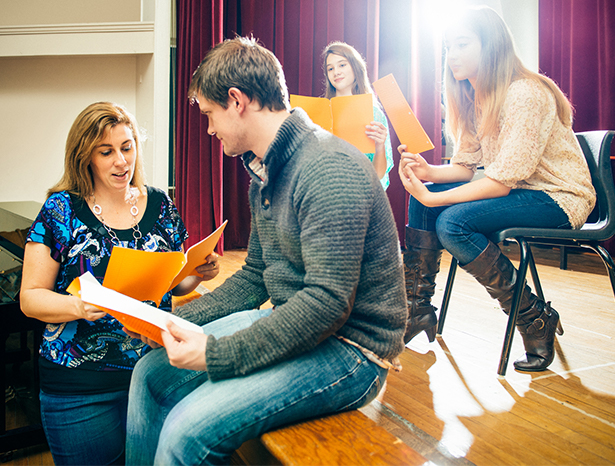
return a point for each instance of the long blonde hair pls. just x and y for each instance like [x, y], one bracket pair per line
[88, 129]
[477, 111]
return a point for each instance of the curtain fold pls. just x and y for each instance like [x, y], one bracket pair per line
[198, 180]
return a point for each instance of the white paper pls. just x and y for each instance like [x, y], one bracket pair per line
[94, 293]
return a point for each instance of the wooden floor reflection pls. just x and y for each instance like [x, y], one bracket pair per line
[450, 405]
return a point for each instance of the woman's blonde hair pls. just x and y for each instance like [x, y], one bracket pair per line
[88, 129]
[357, 63]
[477, 111]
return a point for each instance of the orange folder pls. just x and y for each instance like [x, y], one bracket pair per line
[405, 123]
[147, 275]
[136, 316]
[344, 116]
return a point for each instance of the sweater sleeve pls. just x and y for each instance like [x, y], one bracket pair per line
[244, 290]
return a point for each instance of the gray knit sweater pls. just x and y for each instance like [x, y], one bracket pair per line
[323, 247]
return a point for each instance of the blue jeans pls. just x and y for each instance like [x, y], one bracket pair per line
[463, 228]
[178, 416]
[85, 429]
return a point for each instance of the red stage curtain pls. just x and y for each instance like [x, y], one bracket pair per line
[210, 187]
[577, 40]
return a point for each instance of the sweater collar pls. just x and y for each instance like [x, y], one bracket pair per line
[287, 139]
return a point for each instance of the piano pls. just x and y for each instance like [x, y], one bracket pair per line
[15, 219]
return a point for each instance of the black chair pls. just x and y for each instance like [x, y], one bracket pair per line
[596, 146]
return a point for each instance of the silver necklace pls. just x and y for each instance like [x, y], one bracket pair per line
[134, 211]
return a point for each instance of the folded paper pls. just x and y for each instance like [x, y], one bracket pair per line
[147, 275]
[344, 116]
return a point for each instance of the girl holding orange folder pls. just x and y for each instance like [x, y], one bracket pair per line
[87, 358]
[517, 124]
[346, 74]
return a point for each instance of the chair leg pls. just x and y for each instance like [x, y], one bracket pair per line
[606, 258]
[534, 273]
[563, 258]
[538, 286]
[525, 259]
[447, 295]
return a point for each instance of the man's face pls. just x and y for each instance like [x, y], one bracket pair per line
[225, 124]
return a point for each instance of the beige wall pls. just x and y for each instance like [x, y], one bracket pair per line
[20, 12]
[42, 96]
[57, 57]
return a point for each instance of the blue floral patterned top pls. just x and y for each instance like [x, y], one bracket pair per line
[83, 356]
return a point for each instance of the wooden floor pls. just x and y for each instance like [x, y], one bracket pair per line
[449, 404]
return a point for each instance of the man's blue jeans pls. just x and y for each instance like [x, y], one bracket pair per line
[463, 228]
[178, 416]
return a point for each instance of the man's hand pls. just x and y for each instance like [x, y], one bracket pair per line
[185, 348]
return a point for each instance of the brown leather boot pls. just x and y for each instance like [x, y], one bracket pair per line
[421, 265]
[537, 326]
[536, 321]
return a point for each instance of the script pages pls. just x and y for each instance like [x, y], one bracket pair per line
[344, 116]
[134, 276]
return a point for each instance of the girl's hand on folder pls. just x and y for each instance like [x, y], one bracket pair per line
[143, 338]
[206, 271]
[185, 348]
[210, 268]
[413, 185]
[89, 312]
[415, 163]
[377, 132]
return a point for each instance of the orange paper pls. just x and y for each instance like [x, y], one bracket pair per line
[405, 123]
[344, 116]
[147, 276]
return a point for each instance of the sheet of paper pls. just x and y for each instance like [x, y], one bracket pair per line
[134, 315]
[405, 123]
[197, 254]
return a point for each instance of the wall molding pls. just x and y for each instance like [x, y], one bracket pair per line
[82, 28]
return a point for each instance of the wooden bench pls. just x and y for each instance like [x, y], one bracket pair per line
[349, 438]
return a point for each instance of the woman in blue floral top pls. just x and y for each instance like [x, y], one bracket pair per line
[346, 74]
[87, 358]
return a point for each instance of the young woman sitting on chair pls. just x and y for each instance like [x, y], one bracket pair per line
[517, 124]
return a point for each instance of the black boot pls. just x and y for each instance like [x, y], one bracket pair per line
[536, 321]
[421, 265]
[537, 326]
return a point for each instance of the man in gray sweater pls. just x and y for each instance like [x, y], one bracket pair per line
[323, 248]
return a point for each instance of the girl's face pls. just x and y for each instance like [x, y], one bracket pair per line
[463, 53]
[113, 159]
[340, 74]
